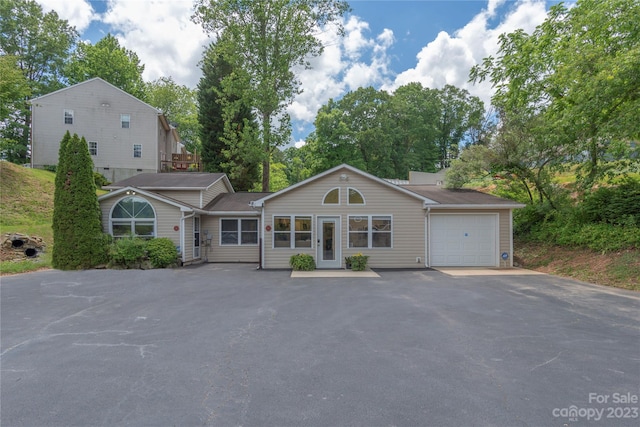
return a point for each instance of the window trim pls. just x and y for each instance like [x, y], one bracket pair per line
[134, 151]
[95, 149]
[239, 231]
[364, 201]
[71, 116]
[327, 193]
[122, 121]
[369, 231]
[132, 221]
[292, 231]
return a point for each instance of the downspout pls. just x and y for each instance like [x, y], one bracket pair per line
[427, 261]
[182, 236]
[262, 237]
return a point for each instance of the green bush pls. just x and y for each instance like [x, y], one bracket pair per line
[100, 180]
[359, 262]
[302, 262]
[612, 205]
[162, 252]
[128, 253]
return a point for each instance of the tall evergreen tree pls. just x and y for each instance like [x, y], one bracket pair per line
[227, 126]
[77, 232]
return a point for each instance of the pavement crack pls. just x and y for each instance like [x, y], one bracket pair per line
[547, 362]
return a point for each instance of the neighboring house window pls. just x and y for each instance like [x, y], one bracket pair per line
[125, 121]
[93, 148]
[355, 197]
[332, 197]
[137, 150]
[133, 216]
[68, 117]
[286, 236]
[370, 231]
[238, 232]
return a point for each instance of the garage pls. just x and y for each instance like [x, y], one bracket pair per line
[468, 240]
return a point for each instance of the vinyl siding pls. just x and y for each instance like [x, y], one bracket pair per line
[504, 227]
[167, 217]
[97, 107]
[191, 197]
[217, 188]
[227, 253]
[408, 240]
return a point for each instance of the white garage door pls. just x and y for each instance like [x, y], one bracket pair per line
[463, 240]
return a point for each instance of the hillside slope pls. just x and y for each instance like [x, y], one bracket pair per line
[26, 196]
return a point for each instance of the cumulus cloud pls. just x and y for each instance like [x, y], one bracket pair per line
[448, 58]
[78, 13]
[163, 36]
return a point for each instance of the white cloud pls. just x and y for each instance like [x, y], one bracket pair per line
[448, 58]
[163, 36]
[78, 13]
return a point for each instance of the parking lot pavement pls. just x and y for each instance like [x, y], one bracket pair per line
[228, 345]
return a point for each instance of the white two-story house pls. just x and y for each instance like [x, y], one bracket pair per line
[125, 135]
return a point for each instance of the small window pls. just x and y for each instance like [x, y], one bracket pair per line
[355, 197]
[303, 232]
[332, 197]
[68, 117]
[93, 148]
[125, 121]
[137, 150]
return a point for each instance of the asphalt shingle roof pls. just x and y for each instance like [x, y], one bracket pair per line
[448, 196]
[168, 181]
[234, 202]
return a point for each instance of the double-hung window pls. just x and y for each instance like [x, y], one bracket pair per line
[137, 150]
[125, 121]
[68, 117]
[93, 148]
[291, 231]
[238, 231]
[370, 231]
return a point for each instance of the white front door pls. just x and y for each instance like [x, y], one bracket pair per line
[328, 249]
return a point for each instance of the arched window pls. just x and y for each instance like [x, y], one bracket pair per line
[355, 197]
[332, 197]
[133, 216]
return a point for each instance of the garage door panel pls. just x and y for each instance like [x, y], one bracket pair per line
[463, 240]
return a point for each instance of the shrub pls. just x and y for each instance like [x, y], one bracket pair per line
[128, 253]
[613, 205]
[359, 262]
[100, 180]
[162, 252]
[302, 262]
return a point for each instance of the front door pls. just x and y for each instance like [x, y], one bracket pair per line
[328, 252]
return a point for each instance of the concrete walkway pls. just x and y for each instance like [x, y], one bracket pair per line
[333, 273]
[479, 271]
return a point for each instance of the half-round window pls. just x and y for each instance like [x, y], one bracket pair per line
[133, 216]
[332, 197]
[355, 197]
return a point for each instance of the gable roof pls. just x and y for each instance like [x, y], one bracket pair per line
[461, 198]
[350, 168]
[172, 181]
[184, 207]
[94, 80]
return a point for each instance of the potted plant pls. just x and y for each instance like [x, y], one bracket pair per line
[359, 262]
[347, 262]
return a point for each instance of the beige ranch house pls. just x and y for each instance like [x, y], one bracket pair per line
[330, 216]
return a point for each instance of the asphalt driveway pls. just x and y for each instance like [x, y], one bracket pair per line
[229, 345]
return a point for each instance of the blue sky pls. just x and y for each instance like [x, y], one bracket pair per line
[388, 43]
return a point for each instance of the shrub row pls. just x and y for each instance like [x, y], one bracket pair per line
[140, 253]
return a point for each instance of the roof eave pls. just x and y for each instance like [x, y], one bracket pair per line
[475, 206]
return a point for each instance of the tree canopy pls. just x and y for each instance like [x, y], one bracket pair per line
[267, 39]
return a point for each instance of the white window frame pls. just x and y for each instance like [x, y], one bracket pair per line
[139, 151]
[369, 230]
[132, 221]
[68, 114]
[364, 202]
[292, 231]
[93, 148]
[127, 121]
[324, 198]
[239, 232]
